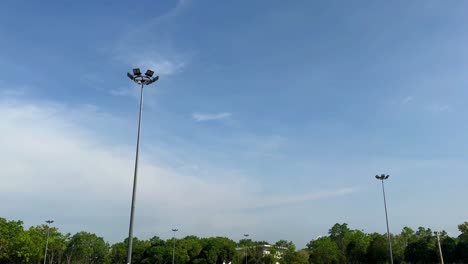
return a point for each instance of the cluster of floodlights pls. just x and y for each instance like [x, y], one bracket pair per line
[382, 177]
[142, 79]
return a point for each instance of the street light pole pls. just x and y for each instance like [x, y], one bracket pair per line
[440, 249]
[173, 248]
[47, 240]
[142, 80]
[383, 177]
[246, 235]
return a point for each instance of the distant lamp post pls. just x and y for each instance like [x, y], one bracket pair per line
[246, 236]
[383, 177]
[47, 240]
[173, 248]
[142, 80]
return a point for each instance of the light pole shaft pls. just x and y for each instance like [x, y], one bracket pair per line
[47, 244]
[388, 229]
[173, 249]
[440, 249]
[246, 235]
[130, 229]
[245, 255]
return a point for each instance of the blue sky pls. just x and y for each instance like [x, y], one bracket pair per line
[269, 118]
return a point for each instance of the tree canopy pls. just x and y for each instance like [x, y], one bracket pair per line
[342, 245]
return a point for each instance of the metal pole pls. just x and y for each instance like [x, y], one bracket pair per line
[173, 251]
[440, 249]
[246, 255]
[173, 248]
[246, 235]
[388, 229]
[130, 229]
[47, 243]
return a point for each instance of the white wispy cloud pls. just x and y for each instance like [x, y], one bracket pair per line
[13, 93]
[284, 200]
[407, 99]
[270, 143]
[126, 91]
[202, 117]
[156, 50]
[164, 63]
[54, 159]
[440, 108]
[163, 66]
[171, 14]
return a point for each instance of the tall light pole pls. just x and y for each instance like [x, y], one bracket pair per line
[173, 248]
[47, 240]
[142, 80]
[383, 177]
[246, 236]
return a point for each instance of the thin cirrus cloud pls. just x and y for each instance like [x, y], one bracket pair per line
[407, 100]
[155, 53]
[126, 91]
[438, 108]
[203, 117]
[163, 66]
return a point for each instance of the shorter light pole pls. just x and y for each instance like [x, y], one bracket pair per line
[47, 240]
[246, 236]
[382, 178]
[440, 249]
[173, 248]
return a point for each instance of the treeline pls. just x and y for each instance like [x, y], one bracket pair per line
[342, 245]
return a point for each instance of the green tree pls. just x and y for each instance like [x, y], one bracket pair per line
[463, 228]
[340, 233]
[118, 251]
[324, 251]
[252, 250]
[88, 248]
[422, 248]
[461, 251]
[400, 242]
[15, 243]
[56, 247]
[158, 253]
[356, 246]
[300, 257]
[216, 250]
[38, 237]
[285, 249]
[192, 247]
[449, 246]
[377, 252]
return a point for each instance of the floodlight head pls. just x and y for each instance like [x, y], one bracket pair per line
[377, 177]
[246, 235]
[386, 177]
[149, 73]
[49, 221]
[137, 72]
[141, 79]
[175, 230]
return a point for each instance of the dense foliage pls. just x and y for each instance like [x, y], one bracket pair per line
[342, 245]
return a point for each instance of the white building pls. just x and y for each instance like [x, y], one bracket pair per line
[266, 250]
